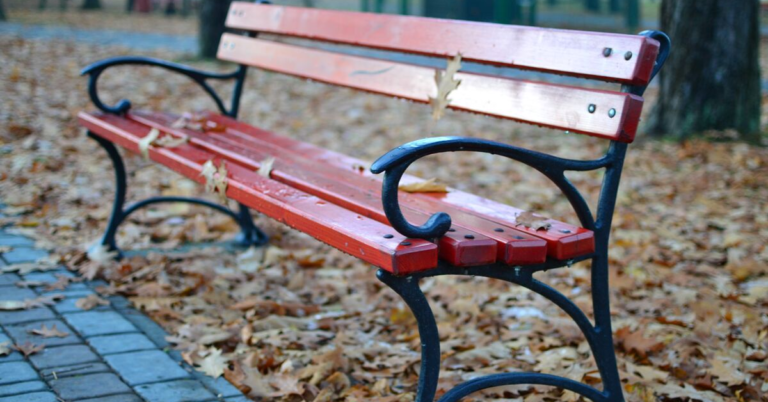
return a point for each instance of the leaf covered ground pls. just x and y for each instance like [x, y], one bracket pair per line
[299, 321]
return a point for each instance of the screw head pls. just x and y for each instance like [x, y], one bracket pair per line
[628, 56]
[607, 52]
[451, 230]
[592, 108]
[500, 230]
[469, 236]
[612, 113]
[405, 243]
[519, 237]
[388, 236]
[566, 231]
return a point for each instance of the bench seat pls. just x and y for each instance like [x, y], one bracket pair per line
[335, 199]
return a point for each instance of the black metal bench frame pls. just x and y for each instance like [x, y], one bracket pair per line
[394, 164]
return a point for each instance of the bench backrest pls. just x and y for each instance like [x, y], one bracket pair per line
[623, 59]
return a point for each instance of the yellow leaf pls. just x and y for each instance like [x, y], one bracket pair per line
[428, 186]
[445, 85]
[170, 141]
[266, 167]
[213, 364]
[147, 141]
[215, 179]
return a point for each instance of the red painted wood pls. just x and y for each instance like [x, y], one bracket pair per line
[552, 50]
[461, 248]
[556, 106]
[564, 241]
[310, 168]
[336, 226]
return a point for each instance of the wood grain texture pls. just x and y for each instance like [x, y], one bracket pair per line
[556, 106]
[517, 244]
[352, 233]
[552, 50]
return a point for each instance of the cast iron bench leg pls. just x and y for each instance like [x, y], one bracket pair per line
[249, 233]
[599, 336]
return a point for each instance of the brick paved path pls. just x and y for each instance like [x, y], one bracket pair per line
[113, 353]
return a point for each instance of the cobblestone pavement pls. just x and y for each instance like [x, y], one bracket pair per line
[112, 353]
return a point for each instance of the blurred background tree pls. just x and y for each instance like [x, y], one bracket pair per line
[91, 4]
[2, 11]
[712, 78]
[213, 14]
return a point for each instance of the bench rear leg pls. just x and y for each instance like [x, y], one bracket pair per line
[249, 235]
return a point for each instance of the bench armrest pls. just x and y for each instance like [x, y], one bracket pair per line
[395, 162]
[95, 70]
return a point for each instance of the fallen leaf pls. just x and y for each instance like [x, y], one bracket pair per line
[265, 167]
[427, 186]
[214, 364]
[28, 348]
[145, 142]
[532, 221]
[46, 332]
[215, 179]
[169, 141]
[5, 349]
[445, 85]
[90, 302]
[11, 305]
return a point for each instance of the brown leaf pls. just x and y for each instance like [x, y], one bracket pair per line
[215, 179]
[636, 342]
[533, 221]
[90, 302]
[145, 142]
[214, 364]
[427, 186]
[265, 167]
[46, 332]
[445, 85]
[28, 348]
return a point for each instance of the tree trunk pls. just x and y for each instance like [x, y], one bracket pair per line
[712, 78]
[2, 11]
[42, 4]
[592, 5]
[213, 14]
[91, 4]
[615, 6]
[129, 5]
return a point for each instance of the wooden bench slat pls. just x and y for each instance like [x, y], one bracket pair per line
[564, 241]
[556, 106]
[363, 195]
[543, 49]
[350, 232]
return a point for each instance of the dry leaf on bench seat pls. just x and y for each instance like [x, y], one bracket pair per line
[533, 221]
[428, 186]
[215, 179]
[145, 142]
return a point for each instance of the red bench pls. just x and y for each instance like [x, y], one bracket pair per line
[330, 197]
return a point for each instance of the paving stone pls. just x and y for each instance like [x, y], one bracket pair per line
[8, 279]
[119, 302]
[175, 391]
[69, 371]
[95, 284]
[89, 386]
[93, 323]
[24, 254]
[46, 277]
[17, 372]
[220, 386]
[115, 398]
[145, 367]
[112, 344]
[16, 293]
[150, 328]
[20, 333]
[63, 356]
[11, 357]
[68, 306]
[17, 317]
[7, 239]
[22, 388]
[34, 397]
[237, 399]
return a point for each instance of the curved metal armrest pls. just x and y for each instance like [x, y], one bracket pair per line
[200, 77]
[395, 162]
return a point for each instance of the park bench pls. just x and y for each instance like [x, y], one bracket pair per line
[408, 236]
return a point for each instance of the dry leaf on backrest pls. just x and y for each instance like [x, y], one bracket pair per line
[170, 141]
[445, 85]
[265, 167]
